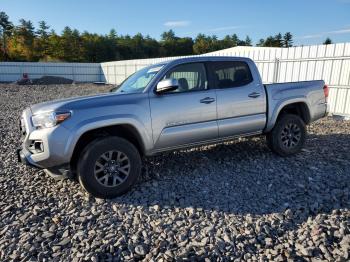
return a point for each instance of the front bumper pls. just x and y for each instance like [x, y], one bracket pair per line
[52, 144]
[58, 173]
[23, 157]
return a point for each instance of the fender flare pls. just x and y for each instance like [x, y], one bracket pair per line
[272, 116]
[100, 122]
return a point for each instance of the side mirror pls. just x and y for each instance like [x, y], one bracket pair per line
[167, 85]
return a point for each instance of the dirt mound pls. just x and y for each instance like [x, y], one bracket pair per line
[45, 80]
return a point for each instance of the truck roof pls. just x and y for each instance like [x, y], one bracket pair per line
[204, 59]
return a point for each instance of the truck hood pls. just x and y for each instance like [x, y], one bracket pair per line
[79, 103]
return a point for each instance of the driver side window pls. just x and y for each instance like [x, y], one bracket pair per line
[191, 77]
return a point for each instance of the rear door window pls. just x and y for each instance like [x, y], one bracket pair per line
[227, 74]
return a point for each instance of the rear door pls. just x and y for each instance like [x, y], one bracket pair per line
[188, 114]
[241, 101]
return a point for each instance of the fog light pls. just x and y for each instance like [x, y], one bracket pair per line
[39, 146]
[36, 146]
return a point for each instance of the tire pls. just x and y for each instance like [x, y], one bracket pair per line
[288, 135]
[103, 170]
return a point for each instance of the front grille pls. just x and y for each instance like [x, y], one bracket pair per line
[22, 128]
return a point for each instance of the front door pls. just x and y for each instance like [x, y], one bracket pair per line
[187, 115]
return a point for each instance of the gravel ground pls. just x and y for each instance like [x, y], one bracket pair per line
[226, 202]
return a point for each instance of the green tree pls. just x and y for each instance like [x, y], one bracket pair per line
[261, 42]
[6, 29]
[269, 42]
[112, 45]
[278, 41]
[71, 45]
[229, 41]
[99, 48]
[137, 46]
[42, 42]
[246, 42]
[112, 34]
[152, 47]
[328, 41]
[22, 41]
[67, 44]
[288, 40]
[90, 47]
[184, 46]
[55, 50]
[214, 43]
[168, 44]
[234, 39]
[168, 36]
[43, 30]
[201, 44]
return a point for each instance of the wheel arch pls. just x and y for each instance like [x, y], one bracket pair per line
[296, 107]
[126, 131]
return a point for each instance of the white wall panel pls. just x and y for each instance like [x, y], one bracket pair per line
[80, 72]
[328, 62]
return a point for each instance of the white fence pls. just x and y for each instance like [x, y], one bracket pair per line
[80, 72]
[328, 62]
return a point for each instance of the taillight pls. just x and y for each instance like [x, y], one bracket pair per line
[326, 91]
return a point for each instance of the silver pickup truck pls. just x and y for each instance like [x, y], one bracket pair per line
[171, 105]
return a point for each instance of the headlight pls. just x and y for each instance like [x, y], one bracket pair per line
[49, 119]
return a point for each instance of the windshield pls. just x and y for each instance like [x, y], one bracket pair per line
[138, 81]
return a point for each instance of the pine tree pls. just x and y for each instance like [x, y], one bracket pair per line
[43, 29]
[328, 41]
[248, 41]
[261, 42]
[22, 42]
[270, 42]
[6, 29]
[288, 40]
[234, 39]
[112, 34]
[168, 36]
[278, 40]
[42, 41]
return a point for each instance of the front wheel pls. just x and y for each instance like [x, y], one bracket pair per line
[108, 167]
[288, 136]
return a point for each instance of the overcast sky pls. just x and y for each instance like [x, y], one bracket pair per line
[310, 21]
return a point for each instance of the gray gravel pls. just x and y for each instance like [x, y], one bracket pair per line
[227, 202]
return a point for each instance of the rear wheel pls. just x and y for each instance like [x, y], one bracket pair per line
[288, 136]
[108, 167]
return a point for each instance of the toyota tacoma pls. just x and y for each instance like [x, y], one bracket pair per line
[172, 105]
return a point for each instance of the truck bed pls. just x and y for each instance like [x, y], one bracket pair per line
[308, 92]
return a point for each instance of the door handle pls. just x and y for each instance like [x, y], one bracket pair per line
[254, 95]
[207, 100]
